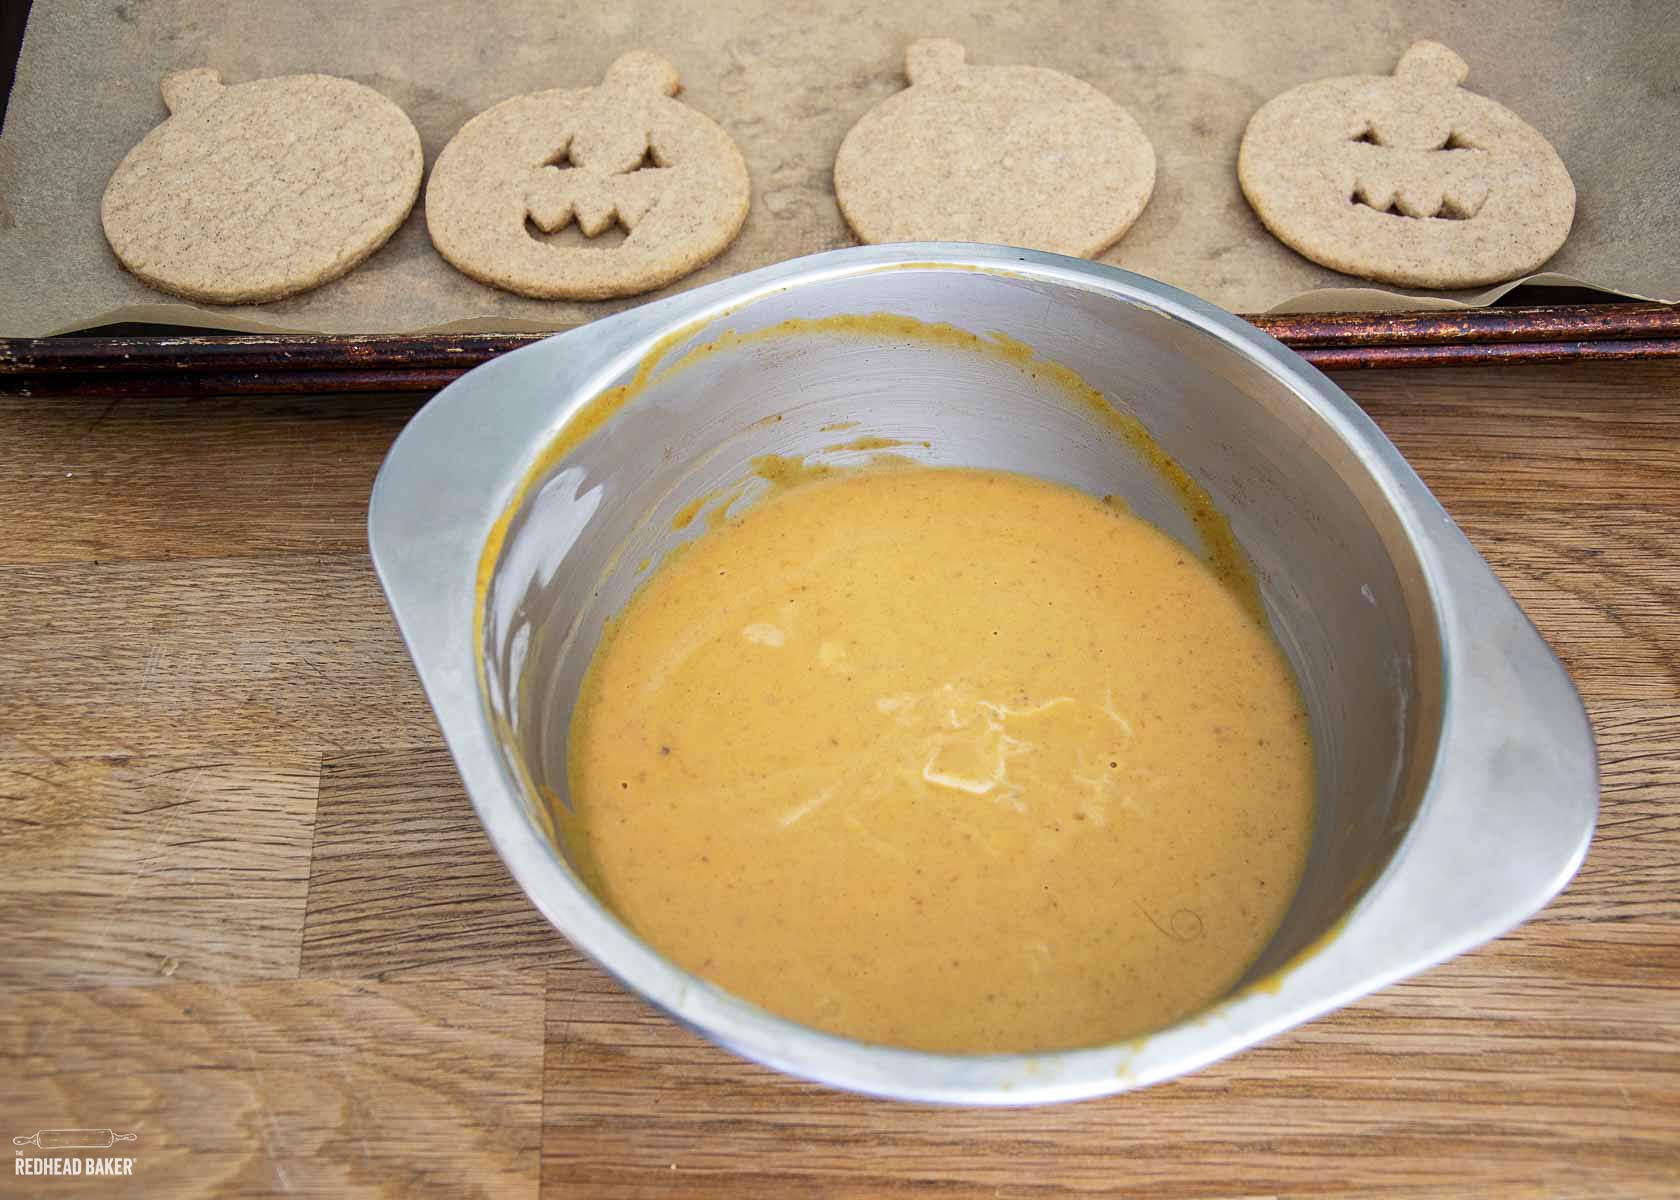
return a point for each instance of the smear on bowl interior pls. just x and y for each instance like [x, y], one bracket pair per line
[950, 759]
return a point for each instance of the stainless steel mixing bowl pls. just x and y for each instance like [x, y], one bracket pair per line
[1457, 781]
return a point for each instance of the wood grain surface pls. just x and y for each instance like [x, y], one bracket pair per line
[247, 914]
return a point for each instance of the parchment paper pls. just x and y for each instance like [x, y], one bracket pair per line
[787, 78]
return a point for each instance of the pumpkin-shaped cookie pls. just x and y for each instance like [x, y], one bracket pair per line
[1019, 156]
[1407, 179]
[622, 152]
[260, 190]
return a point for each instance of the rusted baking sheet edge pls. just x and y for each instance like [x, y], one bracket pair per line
[201, 365]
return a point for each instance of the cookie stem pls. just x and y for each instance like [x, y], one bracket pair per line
[1430, 64]
[191, 89]
[642, 70]
[933, 59]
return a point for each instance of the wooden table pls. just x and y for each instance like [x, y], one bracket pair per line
[247, 914]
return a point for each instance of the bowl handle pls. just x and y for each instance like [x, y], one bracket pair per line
[1513, 800]
[459, 463]
[1505, 822]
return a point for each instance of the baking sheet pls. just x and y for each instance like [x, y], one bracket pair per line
[787, 80]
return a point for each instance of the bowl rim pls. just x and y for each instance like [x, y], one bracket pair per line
[460, 466]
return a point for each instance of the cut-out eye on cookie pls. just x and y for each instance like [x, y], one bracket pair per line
[561, 160]
[1453, 141]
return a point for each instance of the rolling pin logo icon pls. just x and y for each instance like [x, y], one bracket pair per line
[73, 1139]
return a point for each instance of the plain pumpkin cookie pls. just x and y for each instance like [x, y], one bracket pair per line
[1407, 179]
[1019, 156]
[622, 153]
[260, 190]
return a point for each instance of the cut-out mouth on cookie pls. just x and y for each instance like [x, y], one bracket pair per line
[1459, 203]
[1447, 210]
[571, 237]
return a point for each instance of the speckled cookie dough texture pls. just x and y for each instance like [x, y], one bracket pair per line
[623, 153]
[1018, 156]
[1407, 179]
[260, 190]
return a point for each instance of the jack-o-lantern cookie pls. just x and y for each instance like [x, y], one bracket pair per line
[1407, 179]
[622, 152]
[1020, 156]
[260, 190]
